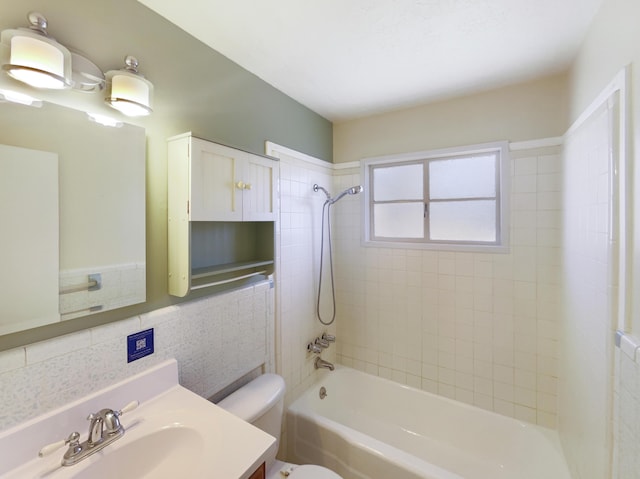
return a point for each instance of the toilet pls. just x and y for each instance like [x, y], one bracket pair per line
[261, 402]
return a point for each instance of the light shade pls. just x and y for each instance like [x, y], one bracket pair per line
[37, 59]
[128, 91]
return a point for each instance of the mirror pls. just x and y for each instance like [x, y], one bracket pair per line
[100, 188]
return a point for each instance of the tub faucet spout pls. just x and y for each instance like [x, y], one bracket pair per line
[321, 363]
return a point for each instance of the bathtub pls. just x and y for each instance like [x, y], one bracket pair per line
[371, 428]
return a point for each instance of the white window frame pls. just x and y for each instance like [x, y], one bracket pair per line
[502, 198]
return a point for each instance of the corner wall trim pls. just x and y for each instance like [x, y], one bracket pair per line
[532, 144]
[628, 344]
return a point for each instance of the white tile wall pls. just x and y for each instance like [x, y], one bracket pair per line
[481, 328]
[215, 339]
[627, 428]
[585, 404]
[297, 269]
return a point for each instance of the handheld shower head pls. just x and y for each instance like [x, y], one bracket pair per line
[354, 190]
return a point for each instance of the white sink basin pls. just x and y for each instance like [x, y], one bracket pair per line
[169, 452]
[174, 433]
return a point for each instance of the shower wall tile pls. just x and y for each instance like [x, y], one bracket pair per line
[297, 270]
[588, 313]
[627, 418]
[215, 339]
[478, 327]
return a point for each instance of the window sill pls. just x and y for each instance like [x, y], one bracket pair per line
[501, 249]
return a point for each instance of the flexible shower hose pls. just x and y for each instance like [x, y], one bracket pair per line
[327, 206]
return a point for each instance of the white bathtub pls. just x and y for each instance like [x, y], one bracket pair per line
[369, 427]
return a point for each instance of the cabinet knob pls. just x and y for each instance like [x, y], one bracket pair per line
[247, 186]
[240, 185]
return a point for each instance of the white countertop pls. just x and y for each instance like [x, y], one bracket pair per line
[220, 444]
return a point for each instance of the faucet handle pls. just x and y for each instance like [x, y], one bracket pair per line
[323, 343]
[128, 408]
[314, 348]
[73, 440]
[329, 337]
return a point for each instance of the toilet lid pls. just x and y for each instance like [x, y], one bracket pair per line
[313, 472]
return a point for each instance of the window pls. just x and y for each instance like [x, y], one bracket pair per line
[453, 199]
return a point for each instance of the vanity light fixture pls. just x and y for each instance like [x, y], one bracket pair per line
[36, 58]
[128, 91]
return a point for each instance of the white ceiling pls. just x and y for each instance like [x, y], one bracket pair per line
[350, 58]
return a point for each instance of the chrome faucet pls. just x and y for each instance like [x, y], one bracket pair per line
[321, 363]
[104, 428]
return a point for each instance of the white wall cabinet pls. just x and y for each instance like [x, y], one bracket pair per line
[222, 209]
[228, 184]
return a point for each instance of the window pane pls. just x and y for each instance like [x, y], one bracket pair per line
[398, 183]
[399, 220]
[463, 220]
[463, 177]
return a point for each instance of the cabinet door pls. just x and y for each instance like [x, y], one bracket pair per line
[215, 172]
[259, 473]
[259, 198]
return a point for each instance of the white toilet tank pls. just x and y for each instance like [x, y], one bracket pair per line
[260, 402]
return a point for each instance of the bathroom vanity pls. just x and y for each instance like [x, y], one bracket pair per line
[172, 433]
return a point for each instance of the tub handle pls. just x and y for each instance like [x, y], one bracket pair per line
[329, 337]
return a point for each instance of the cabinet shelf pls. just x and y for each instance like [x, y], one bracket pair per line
[222, 211]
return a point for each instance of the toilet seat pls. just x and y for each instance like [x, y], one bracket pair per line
[312, 472]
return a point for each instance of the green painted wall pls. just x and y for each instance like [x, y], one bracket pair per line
[196, 89]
